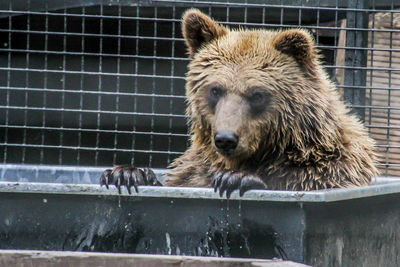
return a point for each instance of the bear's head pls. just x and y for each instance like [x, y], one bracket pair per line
[253, 91]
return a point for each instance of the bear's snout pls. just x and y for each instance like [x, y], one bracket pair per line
[226, 141]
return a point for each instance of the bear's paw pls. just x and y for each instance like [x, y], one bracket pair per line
[230, 181]
[128, 176]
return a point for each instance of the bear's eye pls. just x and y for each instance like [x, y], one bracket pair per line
[256, 98]
[258, 102]
[215, 92]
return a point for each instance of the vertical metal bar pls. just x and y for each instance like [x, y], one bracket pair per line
[318, 21]
[98, 122]
[10, 45]
[245, 12]
[45, 83]
[27, 60]
[263, 15]
[154, 86]
[172, 84]
[300, 13]
[356, 58]
[228, 10]
[118, 86]
[133, 146]
[335, 40]
[389, 92]
[64, 68]
[371, 72]
[81, 85]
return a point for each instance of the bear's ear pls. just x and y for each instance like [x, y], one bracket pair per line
[296, 43]
[198, 29]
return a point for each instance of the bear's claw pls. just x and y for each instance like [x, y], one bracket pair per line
[128, 176]
[231, 181]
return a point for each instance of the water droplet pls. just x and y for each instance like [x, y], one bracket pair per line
[240, 208]
[246, 244]
[168, 241]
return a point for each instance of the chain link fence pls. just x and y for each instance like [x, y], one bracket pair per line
[97, 83]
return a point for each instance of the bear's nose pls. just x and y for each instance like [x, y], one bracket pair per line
[226, 140]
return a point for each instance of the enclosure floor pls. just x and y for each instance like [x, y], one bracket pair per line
[22, 258]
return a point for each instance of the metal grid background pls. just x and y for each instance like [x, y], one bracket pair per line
[102, 82]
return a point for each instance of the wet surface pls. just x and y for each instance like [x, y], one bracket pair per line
[137, 225]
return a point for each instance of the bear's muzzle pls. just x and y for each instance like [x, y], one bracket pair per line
[226, 142]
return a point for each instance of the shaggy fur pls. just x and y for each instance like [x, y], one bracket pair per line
[302, 139]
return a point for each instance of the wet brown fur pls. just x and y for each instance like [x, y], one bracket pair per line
[304, 140]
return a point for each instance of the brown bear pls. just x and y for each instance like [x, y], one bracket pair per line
[263, 115]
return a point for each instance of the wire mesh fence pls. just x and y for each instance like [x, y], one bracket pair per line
[102, 82]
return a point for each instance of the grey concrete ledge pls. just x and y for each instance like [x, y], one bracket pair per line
[382, 186]
[22, 258]
[18, 178]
